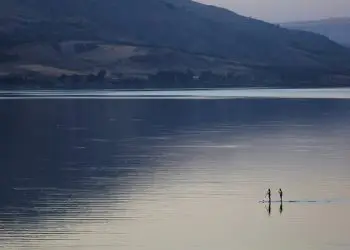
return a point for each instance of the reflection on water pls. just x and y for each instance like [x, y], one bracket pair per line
[327, 93]
[174, 174]
[281, 208]
[268, 208]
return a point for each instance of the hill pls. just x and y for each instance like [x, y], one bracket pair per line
[336, 29]
[56, 37]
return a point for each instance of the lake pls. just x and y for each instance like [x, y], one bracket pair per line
[154, 170]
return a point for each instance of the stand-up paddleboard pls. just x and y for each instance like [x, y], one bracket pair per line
[263, 201]
[296, 201]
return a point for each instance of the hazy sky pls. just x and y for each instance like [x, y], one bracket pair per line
[286, 10]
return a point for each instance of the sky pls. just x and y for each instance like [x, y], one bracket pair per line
[286, 10]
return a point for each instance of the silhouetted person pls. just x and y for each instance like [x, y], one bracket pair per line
[268, 194]
[281, 194]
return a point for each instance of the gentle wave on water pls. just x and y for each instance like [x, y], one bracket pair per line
[334, 93]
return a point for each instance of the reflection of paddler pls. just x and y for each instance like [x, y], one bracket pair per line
[281, 194]
[269, 209]
[281, 208]
[268, 194]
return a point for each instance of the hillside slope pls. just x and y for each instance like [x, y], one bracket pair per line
[181, 25]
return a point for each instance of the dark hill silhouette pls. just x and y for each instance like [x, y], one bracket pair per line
[183, 25]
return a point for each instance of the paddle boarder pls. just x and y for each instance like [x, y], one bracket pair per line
[281, 194]
[268, 194]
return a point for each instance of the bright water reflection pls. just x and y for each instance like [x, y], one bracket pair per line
[336, 93]
[174, 174]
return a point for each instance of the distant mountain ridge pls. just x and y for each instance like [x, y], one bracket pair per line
[337, 29]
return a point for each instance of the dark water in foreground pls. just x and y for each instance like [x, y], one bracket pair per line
[174, 174]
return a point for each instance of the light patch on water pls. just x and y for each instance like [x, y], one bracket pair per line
[328, 93]
[201, 146]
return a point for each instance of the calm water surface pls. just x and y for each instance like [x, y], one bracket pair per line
[155, 174]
